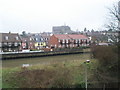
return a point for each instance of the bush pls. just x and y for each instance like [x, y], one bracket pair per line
[106, 55]
[42, 78]
[107, 68]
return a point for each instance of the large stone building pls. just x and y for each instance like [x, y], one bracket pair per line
[61, 30]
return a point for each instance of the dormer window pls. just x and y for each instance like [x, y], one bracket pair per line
[16, 38]
[41, 39]
[36, 39]
[6, 37]
[30, 39]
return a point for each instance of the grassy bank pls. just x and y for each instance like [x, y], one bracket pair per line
[61, 74]
[64, 71]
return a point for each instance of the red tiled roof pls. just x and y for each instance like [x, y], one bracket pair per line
[77, 36]
[62, 36]
[70, 36]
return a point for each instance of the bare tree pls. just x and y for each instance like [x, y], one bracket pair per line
[114, 19]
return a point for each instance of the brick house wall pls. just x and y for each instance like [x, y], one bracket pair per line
[53, 42]
[64, 41]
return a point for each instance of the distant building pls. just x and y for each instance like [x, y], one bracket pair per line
[10, 42]
[39, 41]
[27, 42]
[46, 38]
[68, 40]
[61, 30]
[103, 44]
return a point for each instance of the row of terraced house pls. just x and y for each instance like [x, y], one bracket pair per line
[13, 42]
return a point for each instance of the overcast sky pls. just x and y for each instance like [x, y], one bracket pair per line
[41, 15]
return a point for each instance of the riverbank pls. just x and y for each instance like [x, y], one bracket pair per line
[43, 60]
[41, 54]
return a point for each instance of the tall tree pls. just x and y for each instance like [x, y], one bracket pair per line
[85, 29]
[114, 18]
[24, 33]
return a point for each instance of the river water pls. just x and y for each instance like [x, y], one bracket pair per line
[43, 60]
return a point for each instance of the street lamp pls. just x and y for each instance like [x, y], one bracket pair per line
[86, 63]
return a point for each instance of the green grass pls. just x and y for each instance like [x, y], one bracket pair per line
[57, 71]
[0, 77]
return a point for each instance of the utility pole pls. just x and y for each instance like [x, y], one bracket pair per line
[86, 76]
[86, 62]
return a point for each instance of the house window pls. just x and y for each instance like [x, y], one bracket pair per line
[9, 44]
[79, 40]
[59, 45]
[76, 45]
[9, 49]
[30, 39]
[66, 40]
[41, 44]
[41, 39]
[84, 40]
[6, 37]
[36, 39]
[23, 45]
[67, 45]
[15, 43]
[16, 38]
[5, 43]
[55, 45]
[71, 45]
[63, 40]
[63, 45]
[44, 38]
[76, 41]
[59, 40]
